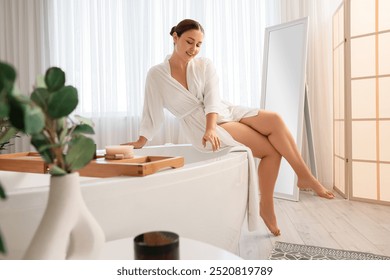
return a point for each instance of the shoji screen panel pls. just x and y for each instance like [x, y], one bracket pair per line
[384, 97]
[367, 100]
[339, 156]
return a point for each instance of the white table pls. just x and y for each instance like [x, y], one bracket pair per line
[190, 249]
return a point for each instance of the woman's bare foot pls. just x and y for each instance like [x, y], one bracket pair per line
[316, 186]
[269, 218]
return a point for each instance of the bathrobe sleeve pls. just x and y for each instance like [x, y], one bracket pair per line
[153, 111]
[211, 98]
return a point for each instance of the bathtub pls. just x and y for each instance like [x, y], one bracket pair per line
[206, 200]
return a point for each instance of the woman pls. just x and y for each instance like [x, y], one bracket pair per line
[188, 88]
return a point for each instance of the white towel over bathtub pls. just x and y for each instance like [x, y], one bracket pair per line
[253, 189]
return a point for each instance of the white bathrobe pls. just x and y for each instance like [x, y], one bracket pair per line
[191, 107]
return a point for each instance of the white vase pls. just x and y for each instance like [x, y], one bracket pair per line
[67, 230]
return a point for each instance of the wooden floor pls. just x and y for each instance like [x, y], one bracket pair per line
[337, 223]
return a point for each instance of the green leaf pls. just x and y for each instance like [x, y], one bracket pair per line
[63, 102]
[40, 82]
[57, 171]
[47, 156]
[54, 79]
[84, 120]
[42, 145]
[61, 124]
[2, 246]
[48, 146]
[11, 132]
[34, 120]
[19, 97]
[62, 136]
[18, 104]
[83, 129]
[61, 129]
[7, 76]
[4, 109]
[3, 196]
[80, 153]
[16, 114]
[2, 192]
[40, 97]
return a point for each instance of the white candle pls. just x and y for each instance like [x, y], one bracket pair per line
[119, 151]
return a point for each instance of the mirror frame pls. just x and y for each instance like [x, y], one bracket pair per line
[286, 174]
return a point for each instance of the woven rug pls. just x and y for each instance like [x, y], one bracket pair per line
[289, 251]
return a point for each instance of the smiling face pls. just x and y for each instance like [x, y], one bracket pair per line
[188, 45]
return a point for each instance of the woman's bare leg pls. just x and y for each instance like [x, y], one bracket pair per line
[268, 168]
[272, 126]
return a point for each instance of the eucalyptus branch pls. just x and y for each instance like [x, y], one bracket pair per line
[45, 117]
[57, 150]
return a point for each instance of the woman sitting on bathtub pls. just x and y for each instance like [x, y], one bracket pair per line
[188, 88]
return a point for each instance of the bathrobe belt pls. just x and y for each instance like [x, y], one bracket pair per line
[196, 107]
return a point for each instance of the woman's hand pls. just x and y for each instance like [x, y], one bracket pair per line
[137, 144]
[211, 136]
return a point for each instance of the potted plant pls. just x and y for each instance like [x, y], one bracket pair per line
[62, 143]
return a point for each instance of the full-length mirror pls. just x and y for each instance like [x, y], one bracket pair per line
[283, 88]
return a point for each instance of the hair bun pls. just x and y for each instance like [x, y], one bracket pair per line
[173, 29]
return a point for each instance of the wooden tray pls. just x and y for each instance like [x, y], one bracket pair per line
[23, 162]
[101, 167]
[137, 166]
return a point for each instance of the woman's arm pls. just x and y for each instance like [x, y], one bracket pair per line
[212, 105]
[211, 99]
[139, 143]
[153, 112]
[210, 134]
